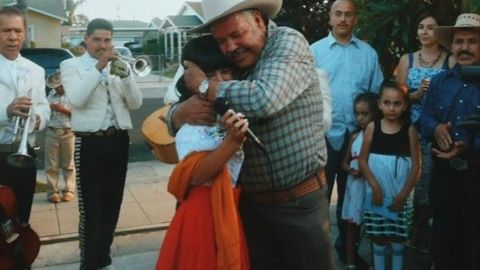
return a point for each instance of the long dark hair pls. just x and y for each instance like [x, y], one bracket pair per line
[205, 53]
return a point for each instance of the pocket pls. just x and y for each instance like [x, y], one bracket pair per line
[317, 198]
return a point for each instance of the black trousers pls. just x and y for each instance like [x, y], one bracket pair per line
[101, 163]
[334, 171]
[454, 231]
[22, 181]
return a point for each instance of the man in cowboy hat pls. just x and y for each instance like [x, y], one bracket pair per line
[283, 206]
[450, 101]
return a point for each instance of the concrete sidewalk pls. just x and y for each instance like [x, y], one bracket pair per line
[146, 212]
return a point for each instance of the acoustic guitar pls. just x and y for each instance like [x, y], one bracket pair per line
[19, 244]
[155, 131]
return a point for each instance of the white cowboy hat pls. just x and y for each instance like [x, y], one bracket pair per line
[214, 10]
[444, 34]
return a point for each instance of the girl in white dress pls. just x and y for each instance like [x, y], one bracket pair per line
[366, 110]
[390, 161]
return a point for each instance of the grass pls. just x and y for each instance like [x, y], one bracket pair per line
[40, 187]
[169, 73]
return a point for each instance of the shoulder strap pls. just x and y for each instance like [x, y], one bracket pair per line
[410, 60]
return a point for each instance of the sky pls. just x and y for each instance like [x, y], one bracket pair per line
[143, 10]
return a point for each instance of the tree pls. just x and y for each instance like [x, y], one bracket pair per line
[71, 6]
[310, 17]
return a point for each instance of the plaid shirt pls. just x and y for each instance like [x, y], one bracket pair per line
[282, 100]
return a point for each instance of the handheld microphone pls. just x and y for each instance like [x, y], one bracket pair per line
[221, 106]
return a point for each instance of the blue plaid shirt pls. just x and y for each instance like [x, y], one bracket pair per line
[282, 100]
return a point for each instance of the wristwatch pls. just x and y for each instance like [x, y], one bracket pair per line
[203, 88]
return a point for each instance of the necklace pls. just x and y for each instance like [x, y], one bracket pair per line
[424, 63]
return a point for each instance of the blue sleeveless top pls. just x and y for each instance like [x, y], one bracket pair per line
[414, 79]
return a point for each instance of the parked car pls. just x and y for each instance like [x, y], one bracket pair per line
[48, 58]
[124, 51]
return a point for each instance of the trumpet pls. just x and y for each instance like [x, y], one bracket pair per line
[141, 66]
[21, 158]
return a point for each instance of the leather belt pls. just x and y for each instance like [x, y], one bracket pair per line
[307, 186]
[111, 131]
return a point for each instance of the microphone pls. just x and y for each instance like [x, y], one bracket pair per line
[221, 106]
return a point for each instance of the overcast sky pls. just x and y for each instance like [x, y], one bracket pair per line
[143, 10]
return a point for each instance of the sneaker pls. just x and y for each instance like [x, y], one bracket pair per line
[54, 198]
[68, 196]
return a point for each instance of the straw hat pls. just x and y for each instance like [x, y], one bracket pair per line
[214, 10]
[444, 34]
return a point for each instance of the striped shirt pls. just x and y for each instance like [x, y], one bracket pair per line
[282, 100]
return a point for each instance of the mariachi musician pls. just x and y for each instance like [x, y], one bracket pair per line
[101, 100]
[23, 110]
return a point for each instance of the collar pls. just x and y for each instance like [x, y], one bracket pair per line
[89, 59]
[9, 62]
[332, 41]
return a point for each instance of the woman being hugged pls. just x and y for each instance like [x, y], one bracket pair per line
[390, 162]
[366, 110]
[206, 231]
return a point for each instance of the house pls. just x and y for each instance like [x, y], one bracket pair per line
[44, 20]
[175, 28]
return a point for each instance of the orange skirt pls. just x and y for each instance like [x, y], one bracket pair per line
[189, 243]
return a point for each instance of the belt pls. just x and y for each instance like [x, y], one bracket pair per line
[111, 131]
[60, 131]
[307, 186]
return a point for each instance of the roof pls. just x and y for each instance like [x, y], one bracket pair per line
[185, 21]
[124, 24]
[51, 8]
[196, 6]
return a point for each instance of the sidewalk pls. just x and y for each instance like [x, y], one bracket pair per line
[146, 212]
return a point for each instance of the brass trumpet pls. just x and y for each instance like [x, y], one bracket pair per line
[141, 66]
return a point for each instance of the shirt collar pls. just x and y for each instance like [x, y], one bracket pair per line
[89, 59]
[9, 62]
[332, 41]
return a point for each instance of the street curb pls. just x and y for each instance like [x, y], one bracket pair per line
[46, 240]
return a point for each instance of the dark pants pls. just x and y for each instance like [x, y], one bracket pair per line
[101, 163]
[22, 181]
[334, 171]
[293, 235]
[454, 230]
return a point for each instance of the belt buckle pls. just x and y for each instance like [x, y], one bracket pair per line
[458, 164]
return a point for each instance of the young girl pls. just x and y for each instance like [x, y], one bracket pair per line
[390, 162]
[206, 231]
[366, 110]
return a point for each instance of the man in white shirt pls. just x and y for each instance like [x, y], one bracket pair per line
[100, 104]
[22, 91]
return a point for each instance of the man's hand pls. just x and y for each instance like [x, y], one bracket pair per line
[108, 55]
[453, 152]
[193, 76]
[195, 111]
[442, 136]
[19, 107]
